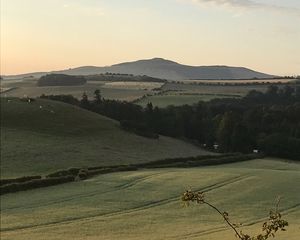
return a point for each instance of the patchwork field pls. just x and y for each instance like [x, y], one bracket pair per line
[160, 94]
[189, 92]
[30, 89]
[44, 136]
[146, 204]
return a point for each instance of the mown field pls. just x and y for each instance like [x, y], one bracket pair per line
[146, 204]
[44, 136]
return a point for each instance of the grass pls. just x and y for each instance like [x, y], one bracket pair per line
[43, 136]
[145, 204]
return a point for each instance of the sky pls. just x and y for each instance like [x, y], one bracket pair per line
[45, 35]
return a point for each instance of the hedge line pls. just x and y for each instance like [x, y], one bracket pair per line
[35, 183]
[71, 174]
[18, 180]
[208, 161]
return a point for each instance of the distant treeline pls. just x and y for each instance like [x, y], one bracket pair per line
[60, 80]
[76, 174]
[122, 77]
[70, 80]
[268, 122]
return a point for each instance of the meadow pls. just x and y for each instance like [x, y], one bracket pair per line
[43, 136]
[146, 204]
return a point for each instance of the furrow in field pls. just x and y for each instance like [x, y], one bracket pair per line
[84, 195]
[127, 211]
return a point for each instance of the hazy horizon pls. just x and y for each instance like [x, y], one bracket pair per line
[262, 35]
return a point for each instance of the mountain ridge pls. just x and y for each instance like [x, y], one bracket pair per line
[162, 68]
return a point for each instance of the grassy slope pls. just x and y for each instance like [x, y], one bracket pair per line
[145, 204]
[38, 140]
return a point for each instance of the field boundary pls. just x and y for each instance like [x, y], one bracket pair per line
[77, 174]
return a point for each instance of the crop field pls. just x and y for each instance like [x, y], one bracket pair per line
[214, 89]
[146, 204]
[181, 93]
[133, 85]
[44, 136]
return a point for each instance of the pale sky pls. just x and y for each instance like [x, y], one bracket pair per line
[44, 35]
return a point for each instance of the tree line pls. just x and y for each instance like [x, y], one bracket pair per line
[267, 122]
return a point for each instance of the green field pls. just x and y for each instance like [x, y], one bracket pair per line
[181, 93]
[213, 89]
[145, 204]
[44, 136]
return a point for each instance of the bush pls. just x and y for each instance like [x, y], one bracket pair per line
[83, 174]
[18, 180]
[35, 183]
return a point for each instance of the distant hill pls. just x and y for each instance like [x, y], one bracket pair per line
[164, 69]
[61, 80]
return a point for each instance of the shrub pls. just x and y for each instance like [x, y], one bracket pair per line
[18, 180]
[35, 183]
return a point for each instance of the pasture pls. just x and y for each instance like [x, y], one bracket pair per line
[146, 204]
[44, 136]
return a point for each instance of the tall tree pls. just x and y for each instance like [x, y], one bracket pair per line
[97, 96]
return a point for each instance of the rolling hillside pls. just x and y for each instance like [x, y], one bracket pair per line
[165, 69]
[43, 136]
[146, 204]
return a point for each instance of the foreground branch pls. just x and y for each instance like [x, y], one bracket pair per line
[269, 227]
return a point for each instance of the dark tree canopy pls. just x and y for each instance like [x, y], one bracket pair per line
[61, 80]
